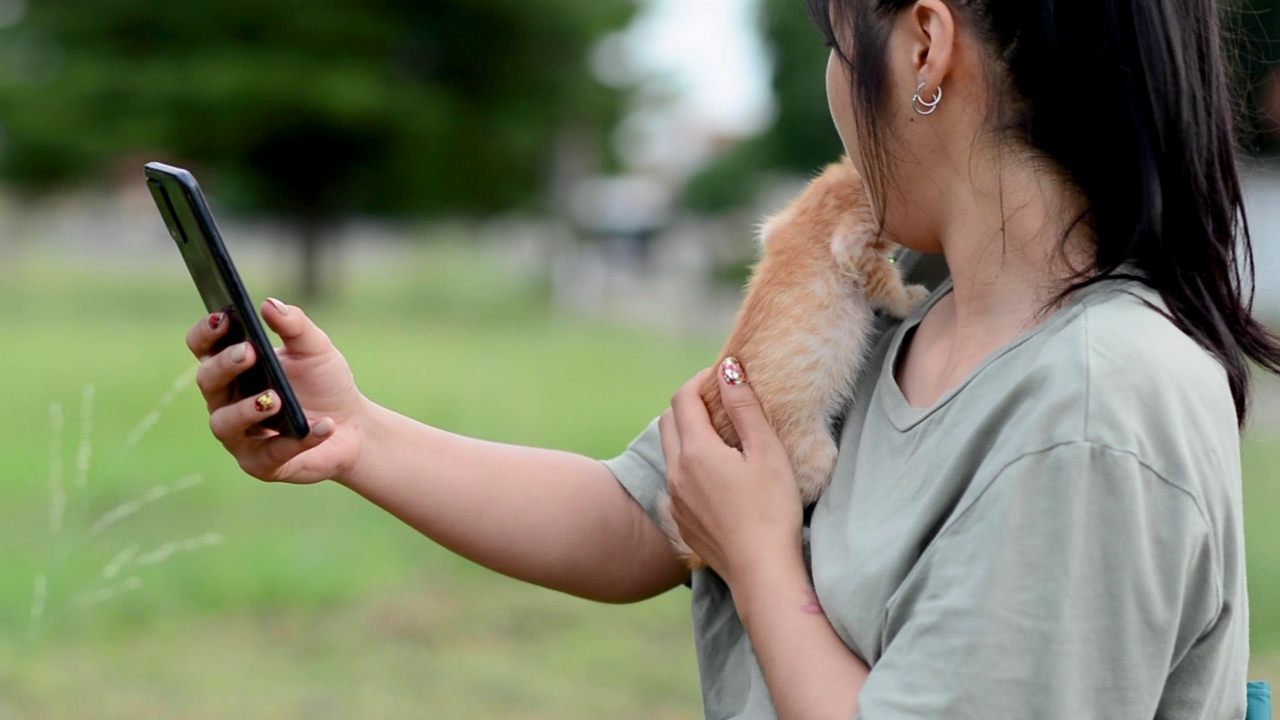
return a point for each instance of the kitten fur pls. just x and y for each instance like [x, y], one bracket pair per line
[803, 329]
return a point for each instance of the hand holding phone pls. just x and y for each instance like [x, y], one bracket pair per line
[254, 395]
[190, 223]
[322, 382]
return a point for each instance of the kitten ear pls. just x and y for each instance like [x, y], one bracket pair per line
[770, 225]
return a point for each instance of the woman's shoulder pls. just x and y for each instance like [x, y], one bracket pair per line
[1138, 362]
[1134, 382]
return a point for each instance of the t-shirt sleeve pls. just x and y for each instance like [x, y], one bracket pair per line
[1060, 592]
[642, 469]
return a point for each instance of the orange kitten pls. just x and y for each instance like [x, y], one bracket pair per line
[803, 330]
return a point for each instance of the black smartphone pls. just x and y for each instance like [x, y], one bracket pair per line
[190, 223]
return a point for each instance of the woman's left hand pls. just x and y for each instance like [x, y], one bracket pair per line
[739, 510]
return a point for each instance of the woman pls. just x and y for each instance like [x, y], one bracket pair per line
[1037, 509]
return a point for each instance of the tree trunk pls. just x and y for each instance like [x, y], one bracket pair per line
[311, 284]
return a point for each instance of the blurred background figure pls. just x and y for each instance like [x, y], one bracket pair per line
[496, 204]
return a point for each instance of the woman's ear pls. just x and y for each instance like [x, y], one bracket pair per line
[932, 32]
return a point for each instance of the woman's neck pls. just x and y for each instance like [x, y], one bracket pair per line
[1003, 245]
[1005, 253]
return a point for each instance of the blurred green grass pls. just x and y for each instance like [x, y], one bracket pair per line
[319, 605]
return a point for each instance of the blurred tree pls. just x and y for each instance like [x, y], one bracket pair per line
[1256, 35]
[802, 139]
[310, 108]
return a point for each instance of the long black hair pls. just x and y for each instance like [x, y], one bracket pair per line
[1131, 99]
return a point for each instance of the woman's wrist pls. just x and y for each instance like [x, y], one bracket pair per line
[780, 569]
[369, 425]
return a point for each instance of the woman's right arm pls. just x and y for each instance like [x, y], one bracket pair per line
[547, 517]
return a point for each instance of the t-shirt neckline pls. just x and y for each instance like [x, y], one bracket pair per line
[902, 415]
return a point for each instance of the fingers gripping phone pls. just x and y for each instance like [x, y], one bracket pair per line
[190, 223]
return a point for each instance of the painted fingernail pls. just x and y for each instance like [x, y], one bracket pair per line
[323, 428]
[215, 320]
[237, 354]
[732, 372]
[284, 309]
[264, 402]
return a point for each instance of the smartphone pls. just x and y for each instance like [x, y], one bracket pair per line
[190, 223]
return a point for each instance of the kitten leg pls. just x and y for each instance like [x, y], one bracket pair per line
[904, 299]
[863, 256]
[668, 524]
[813, 455]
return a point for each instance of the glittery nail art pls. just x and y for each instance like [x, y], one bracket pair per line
[731, 369]
[264, 402]
[215, 320]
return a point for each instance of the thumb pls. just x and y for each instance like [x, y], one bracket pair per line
[301, 336]
[743, 407]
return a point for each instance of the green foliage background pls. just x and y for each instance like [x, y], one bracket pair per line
[315, 107]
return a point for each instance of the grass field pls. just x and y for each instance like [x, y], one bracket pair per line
[310, 603]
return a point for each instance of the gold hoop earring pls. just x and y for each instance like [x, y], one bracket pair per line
[926, 107]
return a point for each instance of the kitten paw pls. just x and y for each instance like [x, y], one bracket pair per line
[906, 302]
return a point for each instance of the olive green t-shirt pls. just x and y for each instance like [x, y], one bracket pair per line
[1060, 536]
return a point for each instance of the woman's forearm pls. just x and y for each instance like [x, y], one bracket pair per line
[547, 517]
[811, 673]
